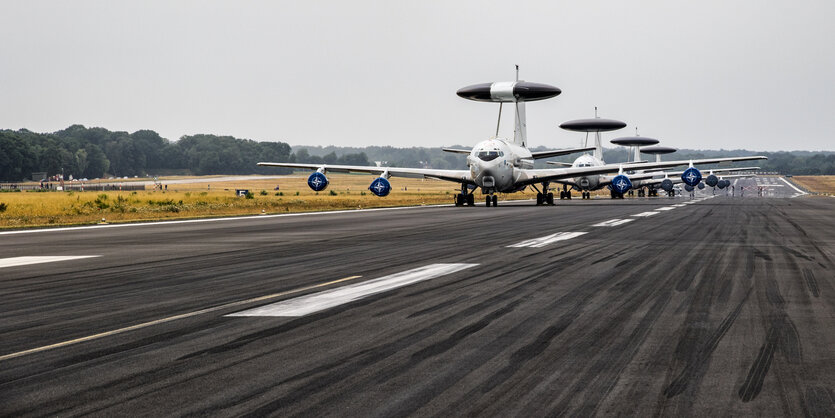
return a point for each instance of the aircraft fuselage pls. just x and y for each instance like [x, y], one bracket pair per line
[495, 163]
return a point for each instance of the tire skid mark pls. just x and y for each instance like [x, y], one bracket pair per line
[573, 303]
[756, 375]
[442, 381]
[698, 364]
[341, 369]
[591, 387]
[449, 342]
[811, 282]
[818, 401]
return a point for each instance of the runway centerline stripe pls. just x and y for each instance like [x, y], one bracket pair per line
[645, 214]
[614, 222]
[666, 208]
[172, 318]
[548, 239]
[308, 304]
[28, 260]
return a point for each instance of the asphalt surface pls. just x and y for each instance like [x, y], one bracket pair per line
[725, 306]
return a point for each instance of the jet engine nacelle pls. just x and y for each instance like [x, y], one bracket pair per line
[317, 181]
[621, 184]
[691, 177]
[701, 186]
[667, 185]
[380, 187]
[712, 180]
[688, 187]
[723, 183]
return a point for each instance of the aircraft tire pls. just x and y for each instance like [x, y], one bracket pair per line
[470, 200]
[549, 198]
[495, 201]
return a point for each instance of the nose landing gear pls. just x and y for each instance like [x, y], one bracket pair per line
[491, 198]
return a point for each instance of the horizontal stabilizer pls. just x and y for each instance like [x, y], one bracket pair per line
[457, 151]
[558, 163]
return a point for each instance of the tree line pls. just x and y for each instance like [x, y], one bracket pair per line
[97, 152]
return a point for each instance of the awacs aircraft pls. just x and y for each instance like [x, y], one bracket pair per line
[654, 180]
[621, 183]
[497, 165]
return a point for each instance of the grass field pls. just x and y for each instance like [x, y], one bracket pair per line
[209, 199]
[817, 184]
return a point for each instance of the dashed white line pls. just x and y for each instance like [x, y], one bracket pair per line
[645, 214]
[614, 222]
[548, 239]
[305, 305]
[666, 208]
[27, 260]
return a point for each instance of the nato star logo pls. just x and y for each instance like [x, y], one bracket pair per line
[621, 185]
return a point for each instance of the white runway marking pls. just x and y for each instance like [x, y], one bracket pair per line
[305, 305]
[24, 261]
[680, 205]
[799, 192]
[614, 222]
[548, 239]
[666, 208]
[234, 218]
[645, 214]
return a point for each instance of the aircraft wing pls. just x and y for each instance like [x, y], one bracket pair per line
[458, 176]
[557, 152]
[555, 174]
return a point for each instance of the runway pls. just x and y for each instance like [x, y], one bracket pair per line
[713, 305]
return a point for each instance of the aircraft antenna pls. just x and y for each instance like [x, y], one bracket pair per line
[517, 72]
[595, 113]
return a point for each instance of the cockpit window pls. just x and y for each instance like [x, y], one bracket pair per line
[489, 155]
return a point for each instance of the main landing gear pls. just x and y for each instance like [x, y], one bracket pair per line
[585, 195]
[565, 193]
[465, 197]
[546, 198]
[616, 195]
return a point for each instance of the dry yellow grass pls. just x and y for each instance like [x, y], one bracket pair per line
[204, 199]
[817, 184]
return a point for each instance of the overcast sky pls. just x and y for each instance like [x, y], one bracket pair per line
[695, 74]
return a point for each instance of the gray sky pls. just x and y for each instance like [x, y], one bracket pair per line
[695, 74]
